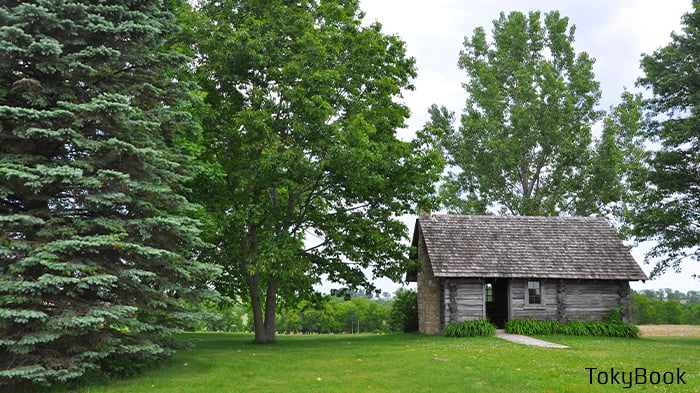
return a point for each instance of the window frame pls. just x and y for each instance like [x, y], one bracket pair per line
[527, 297]
[488, 292]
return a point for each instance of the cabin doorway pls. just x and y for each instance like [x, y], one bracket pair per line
[496, 301]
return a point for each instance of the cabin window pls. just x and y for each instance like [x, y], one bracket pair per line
[534, 292]
[489, 292]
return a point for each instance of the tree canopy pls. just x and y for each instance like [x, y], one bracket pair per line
[668, 211]
[524, 144]
[305, 175]
[96, 246]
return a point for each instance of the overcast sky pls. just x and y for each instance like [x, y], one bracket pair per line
[614, 32]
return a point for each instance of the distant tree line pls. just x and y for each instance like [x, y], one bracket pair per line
[665, 306]
[358, 313]
[672, 294]
[363, 313]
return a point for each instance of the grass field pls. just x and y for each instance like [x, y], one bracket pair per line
[227, 363]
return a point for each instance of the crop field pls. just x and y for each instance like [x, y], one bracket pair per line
[670, 330]
[228, 363]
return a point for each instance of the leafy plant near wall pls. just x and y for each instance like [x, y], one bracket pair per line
[476, 328]
[530, 327]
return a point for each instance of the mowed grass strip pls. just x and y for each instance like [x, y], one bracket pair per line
[227, 363]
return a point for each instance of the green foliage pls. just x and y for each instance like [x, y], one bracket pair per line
[223, 316]
[476, 328]
[617, 162]
[529, 327]
[357, 315]
[96, 242]
[303, 175]
[668, 199]
[614, 315]
[665, 307]
[524, 138]
[524, 144]
[671, 294]
[404, 311]
[574, 328]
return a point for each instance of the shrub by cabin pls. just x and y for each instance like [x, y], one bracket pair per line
[512, 267]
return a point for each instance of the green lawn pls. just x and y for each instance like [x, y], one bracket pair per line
[409, 363]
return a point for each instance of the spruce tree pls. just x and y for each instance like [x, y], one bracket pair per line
[96, 246]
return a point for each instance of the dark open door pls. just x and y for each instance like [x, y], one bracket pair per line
[496, 292]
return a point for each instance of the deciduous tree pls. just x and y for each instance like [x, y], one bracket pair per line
[617, 162]
[404, 311]
[524, 144]
[669, 209]
[306, 175]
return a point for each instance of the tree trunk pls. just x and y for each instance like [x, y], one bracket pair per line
[270, 312]
[264, 324]
[253, 281]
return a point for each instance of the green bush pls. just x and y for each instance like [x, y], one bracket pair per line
[530, 327]
[404, 311]
[479, 327]
[576, 328]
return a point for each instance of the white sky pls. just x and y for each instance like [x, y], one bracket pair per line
[614, 32]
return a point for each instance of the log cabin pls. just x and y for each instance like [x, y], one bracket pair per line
[516, 267]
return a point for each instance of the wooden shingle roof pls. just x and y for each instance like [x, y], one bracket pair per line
[534, 247]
